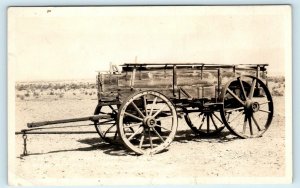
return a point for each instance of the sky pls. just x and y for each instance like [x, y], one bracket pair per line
[57, 43]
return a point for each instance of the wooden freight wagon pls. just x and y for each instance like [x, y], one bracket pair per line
[140, 104]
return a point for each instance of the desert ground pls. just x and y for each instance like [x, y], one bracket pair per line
[188, 159]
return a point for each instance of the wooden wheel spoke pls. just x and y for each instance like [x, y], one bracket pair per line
[245, 124]
[150, 139]
[164, 106]
[129, 127]
[200, 114]
[228, 116]
[113, 109]
[235, 109]
[213, 121]
[252, 89]
[151, 110]
[250, 125]
[145, 104]
[242, 87]
[162, 127]
[202, 122]
[158, 134]
[132, 130]
[137, 109]
[142, 139]
[115, 136]
[135, 133]
[109, 129]
[207, 124]
[217, 118]
[264, 103]
[133, 116]
[235, 96]
[240, 113]
[264, 111]
[255, 122]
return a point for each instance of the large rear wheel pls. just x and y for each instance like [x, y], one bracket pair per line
[248, 103]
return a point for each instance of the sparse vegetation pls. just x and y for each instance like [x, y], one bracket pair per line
[55, 86]
[36, 94]
[278, 89]
[277, 79]
[20, 96]
[72, 89]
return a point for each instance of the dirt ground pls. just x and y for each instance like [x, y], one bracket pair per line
[188, 159]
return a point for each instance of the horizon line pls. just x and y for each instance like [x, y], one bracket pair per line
[90, 79]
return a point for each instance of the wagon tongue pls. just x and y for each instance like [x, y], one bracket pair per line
[44, 123]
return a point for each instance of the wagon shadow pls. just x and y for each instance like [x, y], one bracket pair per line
[185, 136]
[116, 149]
[111, 149]
[182, 136]
[94, 144]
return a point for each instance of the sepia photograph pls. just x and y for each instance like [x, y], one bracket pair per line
[149, 95]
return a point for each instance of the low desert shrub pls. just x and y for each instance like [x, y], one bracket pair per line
[277, 79]
[21, 87]
[21, 97]
[277, 91]
[36, 94]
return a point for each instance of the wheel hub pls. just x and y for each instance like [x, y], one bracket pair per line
[149, 121]
[255, 106]
[251, 106]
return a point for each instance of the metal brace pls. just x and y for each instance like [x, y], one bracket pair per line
[24, 136]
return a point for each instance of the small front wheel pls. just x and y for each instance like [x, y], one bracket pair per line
[204, 122]
[107, 127]
[147, 122]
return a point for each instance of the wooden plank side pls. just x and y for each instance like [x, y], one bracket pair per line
[194, 81]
